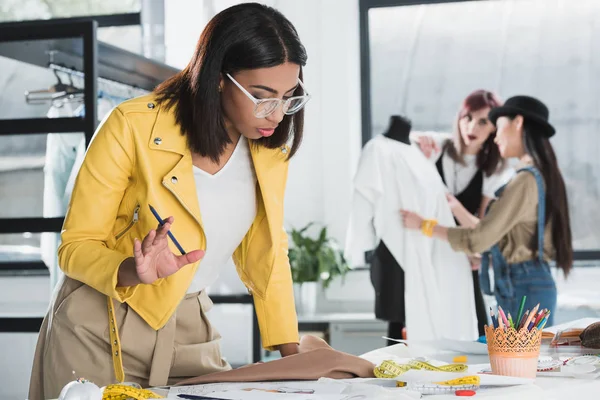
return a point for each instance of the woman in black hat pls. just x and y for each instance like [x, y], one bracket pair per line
[529, 223]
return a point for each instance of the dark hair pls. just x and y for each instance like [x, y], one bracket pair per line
[246, 36]
[540, 150]
[488, 158]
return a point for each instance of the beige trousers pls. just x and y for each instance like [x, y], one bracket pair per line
[74, 342]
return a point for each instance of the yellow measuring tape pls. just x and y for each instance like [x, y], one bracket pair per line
[391, 369]
[465, 380]
[415, 364]
[115, 342]
[124, 392]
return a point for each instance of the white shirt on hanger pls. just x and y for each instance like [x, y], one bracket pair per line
[438, 281]
[227, 202]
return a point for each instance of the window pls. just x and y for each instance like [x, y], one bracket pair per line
[126, 37]
[21, 10]
[424, 59]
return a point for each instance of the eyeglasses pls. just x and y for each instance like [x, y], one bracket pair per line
[265, 107]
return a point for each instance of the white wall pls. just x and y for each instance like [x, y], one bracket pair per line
[319, 185]
[320, 178]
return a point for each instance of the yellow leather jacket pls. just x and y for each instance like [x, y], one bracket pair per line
[139, 157]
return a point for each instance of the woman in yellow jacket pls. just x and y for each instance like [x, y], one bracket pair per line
[207, 152]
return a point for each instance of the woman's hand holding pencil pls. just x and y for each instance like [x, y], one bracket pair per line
[154, 259]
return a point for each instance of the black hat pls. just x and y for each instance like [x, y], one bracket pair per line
[530, 108]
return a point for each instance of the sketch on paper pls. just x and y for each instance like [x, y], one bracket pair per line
[293, 387]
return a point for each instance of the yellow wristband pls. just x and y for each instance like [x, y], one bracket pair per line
[427, 227]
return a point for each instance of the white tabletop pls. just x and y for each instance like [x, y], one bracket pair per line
[542, 388]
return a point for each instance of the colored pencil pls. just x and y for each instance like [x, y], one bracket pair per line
[543, 321]
[528, 320]
[539, 317]
[531, 317]
[521, 309]
[523, 319]
[494, 321]
[503, 316]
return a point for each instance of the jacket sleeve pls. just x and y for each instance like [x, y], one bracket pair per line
[99, 188]
[277, 312]
[518, 203]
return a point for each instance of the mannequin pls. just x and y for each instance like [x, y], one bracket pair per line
[435, 281]
[399, 129]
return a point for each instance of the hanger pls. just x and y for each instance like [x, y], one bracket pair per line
[58, 92]
[61, 92]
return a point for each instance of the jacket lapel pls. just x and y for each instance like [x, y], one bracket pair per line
[271, 182]
[269, 164]
[179, 180]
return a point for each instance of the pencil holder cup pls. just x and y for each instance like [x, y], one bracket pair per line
[512, 352]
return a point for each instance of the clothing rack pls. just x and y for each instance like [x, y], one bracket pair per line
[70, 45]
[115, 88]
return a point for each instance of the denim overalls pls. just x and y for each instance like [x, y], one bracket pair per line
[530, 278]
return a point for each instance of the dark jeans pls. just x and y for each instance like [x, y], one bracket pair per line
[534, 281]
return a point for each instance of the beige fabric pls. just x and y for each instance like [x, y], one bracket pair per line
[511, 222]
[74, 342]
[315, 360]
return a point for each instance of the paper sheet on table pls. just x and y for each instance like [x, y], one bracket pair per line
[560, 374]
[377, 356]
[258, 395]
[577, 324]
[292, 387]
[463, 346]
[458, 346]
[522, 392]
[324, 389]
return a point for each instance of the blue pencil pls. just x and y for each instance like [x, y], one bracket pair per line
[530, 327]
[161, 222]
[542, 323]
[494, 321]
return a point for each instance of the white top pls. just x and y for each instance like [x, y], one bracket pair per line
[458, 176]
[227, 202]
[438, 281]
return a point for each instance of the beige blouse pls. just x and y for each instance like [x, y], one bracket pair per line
[511, 223]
